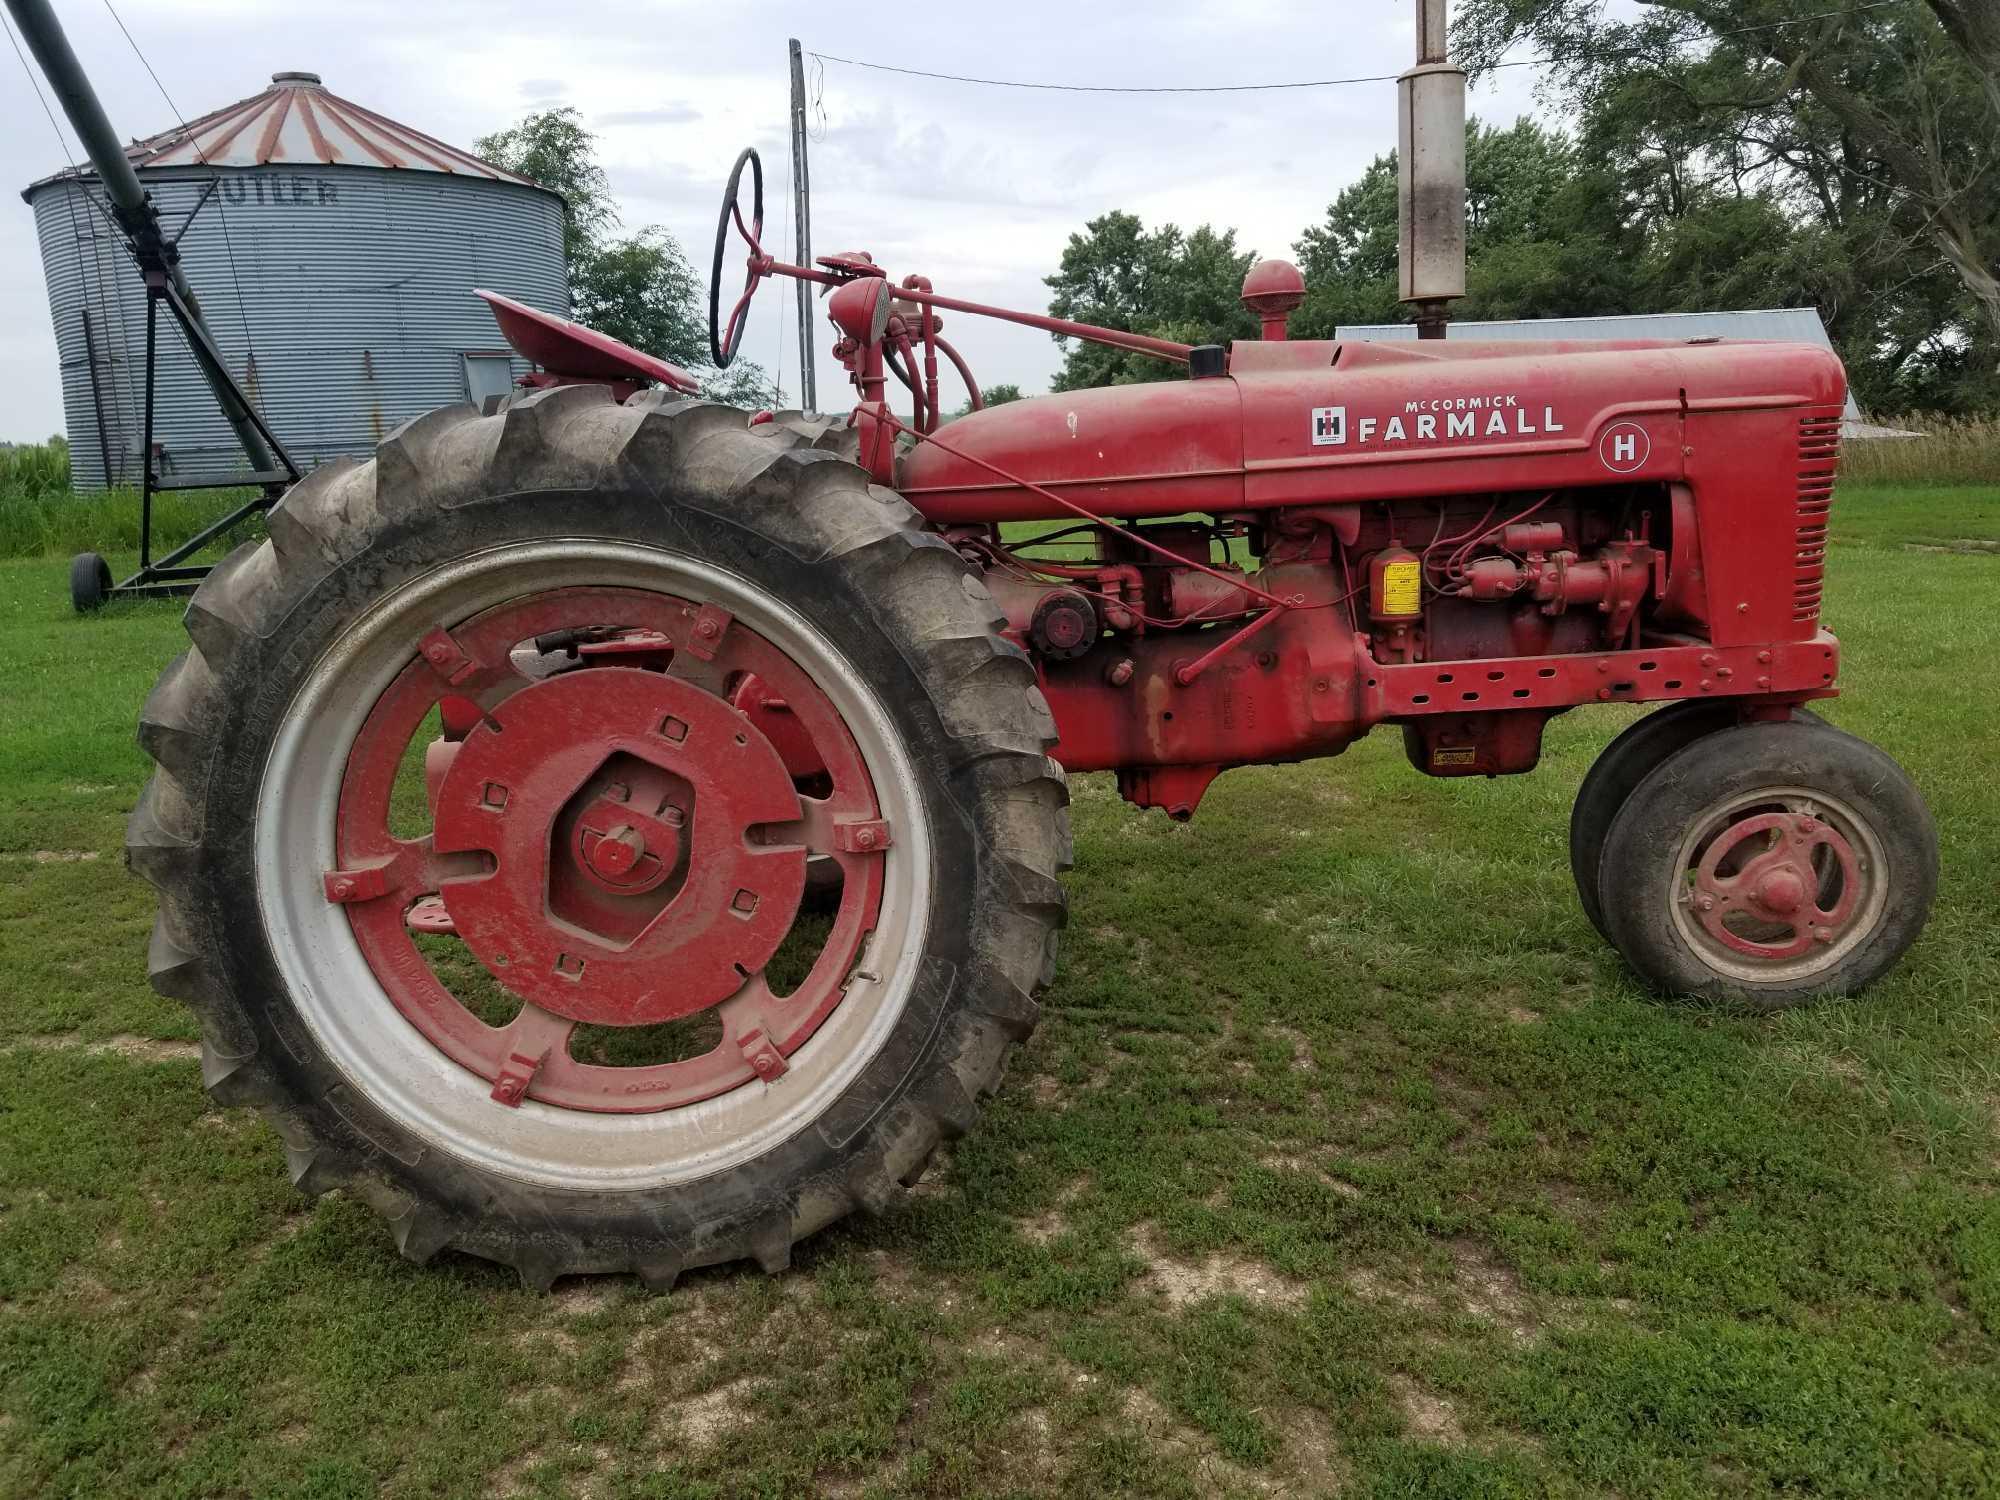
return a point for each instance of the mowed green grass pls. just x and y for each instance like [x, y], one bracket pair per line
[1346, 1159]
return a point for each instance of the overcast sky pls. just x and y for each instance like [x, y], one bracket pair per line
[977, 188]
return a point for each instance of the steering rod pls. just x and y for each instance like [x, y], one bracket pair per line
[725, 339]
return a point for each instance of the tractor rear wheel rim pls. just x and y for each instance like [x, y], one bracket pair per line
[617, 844]
[1778, 884]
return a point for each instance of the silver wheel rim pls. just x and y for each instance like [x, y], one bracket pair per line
[394, 1065]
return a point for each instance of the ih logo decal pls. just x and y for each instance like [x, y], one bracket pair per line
[1329, 425]
[1624, 447]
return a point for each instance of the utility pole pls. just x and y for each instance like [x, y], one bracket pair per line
[1430, 169]
[802, 220]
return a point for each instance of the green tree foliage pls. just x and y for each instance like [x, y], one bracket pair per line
[1847, 163]
[992, 395]
[642, 291]
[1871, 132]
[1543, 237]
[552, 147]
[1635, 214]
[1161, 282]
[638, 288]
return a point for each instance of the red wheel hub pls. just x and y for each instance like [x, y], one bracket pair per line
[531, 760]
[615, 853]
[1774, 885]
[616, 841]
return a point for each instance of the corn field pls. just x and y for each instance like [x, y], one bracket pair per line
[41, 517]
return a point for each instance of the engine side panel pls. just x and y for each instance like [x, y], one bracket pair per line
[1466, 539]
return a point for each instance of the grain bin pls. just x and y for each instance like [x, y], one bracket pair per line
[335, 255]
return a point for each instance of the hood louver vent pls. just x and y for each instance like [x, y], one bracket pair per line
[1819, 455]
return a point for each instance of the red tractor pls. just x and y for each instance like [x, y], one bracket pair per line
[613, 832]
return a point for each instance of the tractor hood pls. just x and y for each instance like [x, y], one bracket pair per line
[1316, 422]
[1173, 444]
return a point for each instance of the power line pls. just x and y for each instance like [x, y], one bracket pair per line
[149, 72]
[1312, 83]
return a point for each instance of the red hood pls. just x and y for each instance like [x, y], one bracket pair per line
[1292, 421]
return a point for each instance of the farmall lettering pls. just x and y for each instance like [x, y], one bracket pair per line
[1438, 419]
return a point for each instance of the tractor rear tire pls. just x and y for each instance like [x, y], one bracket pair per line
[1620, 767]
[793, 429]
[374, 575]
[1769, 864]
[827, 434]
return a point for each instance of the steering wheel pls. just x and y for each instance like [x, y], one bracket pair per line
[723, 341]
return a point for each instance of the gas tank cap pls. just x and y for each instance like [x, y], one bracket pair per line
[1207, 361]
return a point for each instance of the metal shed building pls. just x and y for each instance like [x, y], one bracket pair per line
[335, 252]
[1791, 325]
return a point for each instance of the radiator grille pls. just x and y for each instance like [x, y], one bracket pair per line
[1819, 453]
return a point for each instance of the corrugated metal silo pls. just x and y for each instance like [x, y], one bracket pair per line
[335, 259]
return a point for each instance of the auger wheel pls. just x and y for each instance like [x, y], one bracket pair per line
[484, 808]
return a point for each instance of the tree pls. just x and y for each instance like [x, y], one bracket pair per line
[551, 147]
[992, 395]
[643, 292]
[1543, 237]
[640, 289]
[1653, 206]
[1833, 105]
[1170, 285]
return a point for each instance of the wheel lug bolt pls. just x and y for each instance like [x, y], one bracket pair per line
[1707, 903]
[1823, 934]
[1807, 825]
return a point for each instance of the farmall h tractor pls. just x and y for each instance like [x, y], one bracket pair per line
[612, 831]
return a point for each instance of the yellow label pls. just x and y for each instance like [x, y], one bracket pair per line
[1402, 588]
[1455, 755]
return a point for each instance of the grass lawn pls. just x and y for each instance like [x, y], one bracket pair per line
[1347, 1158]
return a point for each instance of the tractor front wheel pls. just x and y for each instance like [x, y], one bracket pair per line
[1622, 765]
[1768, 864]
[487, 891]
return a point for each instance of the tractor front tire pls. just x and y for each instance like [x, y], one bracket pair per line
[1769, 864]
[1620, 767]
[406, 1008]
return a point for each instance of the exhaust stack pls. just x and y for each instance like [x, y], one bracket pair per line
[1430, 167]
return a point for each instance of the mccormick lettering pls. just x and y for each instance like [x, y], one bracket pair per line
[1460, 403]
